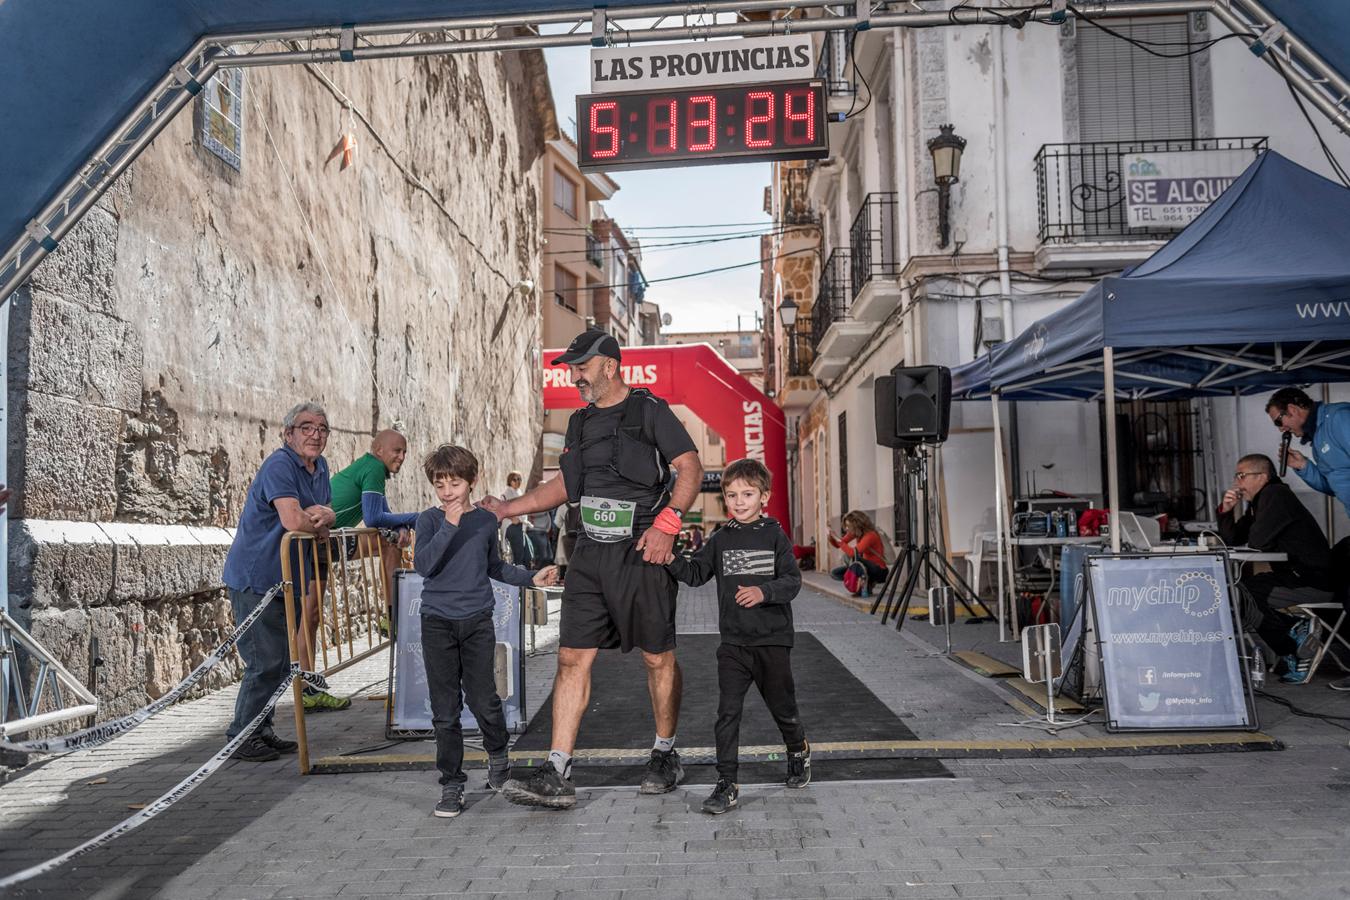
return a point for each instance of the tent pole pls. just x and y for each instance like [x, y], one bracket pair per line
[1112, 475]
[998, 519]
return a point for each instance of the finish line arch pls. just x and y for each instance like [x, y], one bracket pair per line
[697, 376]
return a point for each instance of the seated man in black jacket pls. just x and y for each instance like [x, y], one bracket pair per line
[1277, 521]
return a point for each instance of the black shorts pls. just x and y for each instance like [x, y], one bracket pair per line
[611, 598]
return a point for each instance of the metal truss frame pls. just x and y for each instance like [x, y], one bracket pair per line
[1229, 365]
[43, 702]
[1310, 75]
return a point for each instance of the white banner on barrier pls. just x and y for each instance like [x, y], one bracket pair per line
[410, 709]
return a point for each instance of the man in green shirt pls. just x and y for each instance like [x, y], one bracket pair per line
[358, 496]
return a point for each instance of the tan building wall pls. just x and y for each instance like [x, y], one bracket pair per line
[155, 353]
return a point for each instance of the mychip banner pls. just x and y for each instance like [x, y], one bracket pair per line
[1169, 647]
[410, 705]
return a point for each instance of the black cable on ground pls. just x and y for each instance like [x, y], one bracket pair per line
[1306, 713]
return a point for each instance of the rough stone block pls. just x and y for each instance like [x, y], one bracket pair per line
[65, 634]
[82, 268]
[69, 458]
[120, 682]
[82, 354]
[60, 565]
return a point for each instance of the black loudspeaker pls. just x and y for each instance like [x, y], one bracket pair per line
[913, 406]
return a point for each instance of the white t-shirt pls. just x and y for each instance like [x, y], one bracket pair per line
[510, 494]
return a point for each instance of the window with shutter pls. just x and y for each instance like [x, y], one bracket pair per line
[1126, 93]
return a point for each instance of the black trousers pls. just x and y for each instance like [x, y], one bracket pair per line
[770, 670]
[458, 655]
[1272, 623]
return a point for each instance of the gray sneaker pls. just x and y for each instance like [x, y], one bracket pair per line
[664, 772]
[544, 787]
[452, 801]
[1342, 685]
[724, 798]
[499, 771]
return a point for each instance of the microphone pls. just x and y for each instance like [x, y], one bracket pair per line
[1284, 452]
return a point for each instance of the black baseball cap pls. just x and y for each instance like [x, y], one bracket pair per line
[591, 342]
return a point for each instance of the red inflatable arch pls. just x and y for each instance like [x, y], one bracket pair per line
[696, 376]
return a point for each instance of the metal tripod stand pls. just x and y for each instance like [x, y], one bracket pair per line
[921, 558]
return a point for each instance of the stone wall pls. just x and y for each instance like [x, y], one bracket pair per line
[153, 355]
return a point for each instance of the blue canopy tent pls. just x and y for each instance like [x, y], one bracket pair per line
[1253, 294]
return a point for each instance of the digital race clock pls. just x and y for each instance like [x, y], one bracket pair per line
[702, 125]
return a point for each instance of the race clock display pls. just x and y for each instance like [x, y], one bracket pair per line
[698, 126]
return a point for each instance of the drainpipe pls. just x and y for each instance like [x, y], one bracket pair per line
[1001, 225]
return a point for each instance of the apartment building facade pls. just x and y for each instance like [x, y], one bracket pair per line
[884, 267]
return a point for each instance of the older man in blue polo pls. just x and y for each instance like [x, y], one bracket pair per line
[291, 492]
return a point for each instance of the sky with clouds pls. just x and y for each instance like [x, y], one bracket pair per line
[654, 199]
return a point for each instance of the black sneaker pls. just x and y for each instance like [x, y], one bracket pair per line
[499, 771]
[452, 801]
[663, 773]
[278, 744]
[723, 798]
[545, 787]
[799, 768]
[254, 750]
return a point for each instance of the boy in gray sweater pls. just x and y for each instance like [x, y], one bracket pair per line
[456, 554]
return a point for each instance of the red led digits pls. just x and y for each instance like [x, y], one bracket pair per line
[707, 122]
[661, 124]
[609, 132]
[799, 113]
[759, 127]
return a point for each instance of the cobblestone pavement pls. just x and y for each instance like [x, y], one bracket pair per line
[1236, 824]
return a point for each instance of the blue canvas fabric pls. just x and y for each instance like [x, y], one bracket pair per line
[71, 71]
[1265, 263]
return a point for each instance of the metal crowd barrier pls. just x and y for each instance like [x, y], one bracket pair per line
[351, 600]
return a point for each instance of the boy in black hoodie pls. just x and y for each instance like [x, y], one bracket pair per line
[757, 577]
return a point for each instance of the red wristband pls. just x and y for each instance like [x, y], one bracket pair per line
[667, 522]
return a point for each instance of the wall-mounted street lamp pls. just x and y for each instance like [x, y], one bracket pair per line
[946, 149]
[787, 313]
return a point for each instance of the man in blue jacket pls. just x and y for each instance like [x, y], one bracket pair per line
[1325, 429]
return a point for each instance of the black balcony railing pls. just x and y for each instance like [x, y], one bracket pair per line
[830, 66]
[832, 296]
[800, 350]
[594, 254]
[1081, 187]
[871, 238]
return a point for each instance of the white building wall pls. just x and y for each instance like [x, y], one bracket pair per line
[952, 75]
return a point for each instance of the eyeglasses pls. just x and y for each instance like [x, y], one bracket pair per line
[309, 430]
[1241, 475]
[1279, 420]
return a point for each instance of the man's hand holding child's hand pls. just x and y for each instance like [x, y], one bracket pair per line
[749, 596]
[546, 577]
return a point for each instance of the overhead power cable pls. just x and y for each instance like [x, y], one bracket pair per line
[648, 248]
[699, 274]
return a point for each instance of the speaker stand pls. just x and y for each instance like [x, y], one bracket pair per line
[921, 558]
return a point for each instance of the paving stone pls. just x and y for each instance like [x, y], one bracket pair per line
[1202, 825]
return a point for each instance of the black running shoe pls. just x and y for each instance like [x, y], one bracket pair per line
[254, 750]
[663, 773]
[799, 768]
[723, 798]
[452, 801]
[545, 788]
[499, 771]
[278, 744]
